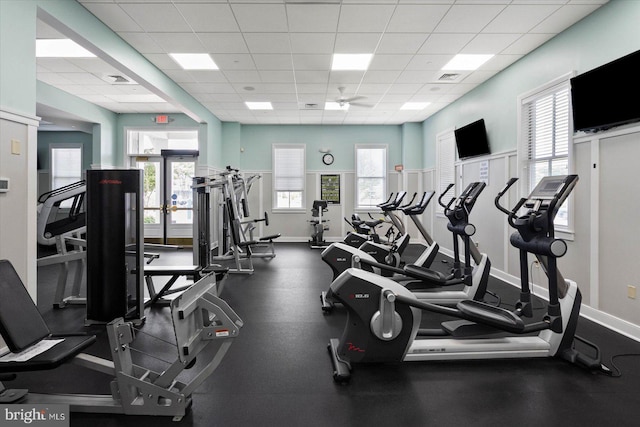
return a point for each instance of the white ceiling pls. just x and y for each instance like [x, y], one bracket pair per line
[280, 51]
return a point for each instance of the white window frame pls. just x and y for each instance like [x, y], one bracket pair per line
[385, 179]
[64, 146]
[445, 165]
[303, 178]
[526, 185]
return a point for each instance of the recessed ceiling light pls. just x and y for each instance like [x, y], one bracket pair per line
[351, 61]
[194, 61]
[61, 48]
[414, 105]
[259, 105]
[467, 62]
[336, 106]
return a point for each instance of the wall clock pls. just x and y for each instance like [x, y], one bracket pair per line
[327, 159]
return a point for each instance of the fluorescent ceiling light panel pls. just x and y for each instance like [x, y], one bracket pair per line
[259, 105]
[336, 106]
[351, 61]
[61, 48]
[467, 62]
[194, 61]
[414, 105]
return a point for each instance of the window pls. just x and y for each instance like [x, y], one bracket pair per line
[445, 160]
[371, 175]
[288, 176]
[545, 148]
[66, 166]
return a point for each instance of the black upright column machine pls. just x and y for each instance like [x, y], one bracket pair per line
[115, 245]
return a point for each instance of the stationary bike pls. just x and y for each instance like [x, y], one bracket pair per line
[383, 323]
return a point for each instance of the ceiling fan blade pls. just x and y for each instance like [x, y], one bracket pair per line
[360, 104]
[354, 98]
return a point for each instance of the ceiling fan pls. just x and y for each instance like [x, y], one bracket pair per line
[342, 100]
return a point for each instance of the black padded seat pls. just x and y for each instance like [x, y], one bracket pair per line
[22, 326]
[270, 237]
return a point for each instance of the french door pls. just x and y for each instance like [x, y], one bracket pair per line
[168, 198]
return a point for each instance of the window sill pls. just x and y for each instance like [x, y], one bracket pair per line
[288, 210]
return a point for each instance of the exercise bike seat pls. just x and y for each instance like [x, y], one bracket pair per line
[483, 313]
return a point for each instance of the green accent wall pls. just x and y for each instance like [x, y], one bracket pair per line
[610, 32]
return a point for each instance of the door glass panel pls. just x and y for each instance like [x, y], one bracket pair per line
[181, 195]
[152, 191]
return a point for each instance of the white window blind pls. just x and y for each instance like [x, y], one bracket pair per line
[546, 131]
[371, 175]
[446, 156]
[288, 175]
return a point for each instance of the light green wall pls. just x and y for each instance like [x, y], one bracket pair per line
[18, 75]
[105, 121]
[412, 146]
[256, 141]
[45, 139]
[609, 33]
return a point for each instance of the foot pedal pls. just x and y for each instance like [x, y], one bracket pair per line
[341, 369]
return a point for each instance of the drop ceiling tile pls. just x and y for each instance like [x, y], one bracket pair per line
[520, 18]
[564, 18]
[82, 78]
[223, 42]
[178, 42]
[401, 43]
[315, 18]
[445, 43]
[234, 61]
[267, 42]
[500, 62]
[156, 17]
[180, 76]
[113, 16]
[345, 77]
[404, 88]
[378, 76]
[428, 62]
[273, 62]
[58, 65]
[356, 42]
[78, 90]
[141, 42]
[479, 76]
[240, 76]
[208, 76]
[209, 17]
[413, 18]
[364, 18]
[276, 76]
[312, 42]
[260, 17]
[93, 65]
[306, 89]
[526, 44]
[470, 18]
[374, 88]
[489, 43]
[312, 76]
[389, 62]
[311, 62]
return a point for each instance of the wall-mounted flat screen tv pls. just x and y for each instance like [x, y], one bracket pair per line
[471, 140]
[607, 96]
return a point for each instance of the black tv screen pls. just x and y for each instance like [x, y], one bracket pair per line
[471, 140]
[607, 96]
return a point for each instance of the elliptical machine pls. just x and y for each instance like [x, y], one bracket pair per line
[319, 224]
[384, 317]
[424, 283]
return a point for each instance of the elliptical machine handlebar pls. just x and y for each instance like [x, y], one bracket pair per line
[442, 196]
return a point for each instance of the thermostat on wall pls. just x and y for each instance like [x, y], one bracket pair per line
[4, 185]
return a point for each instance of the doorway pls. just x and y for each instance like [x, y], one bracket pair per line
[168, 174]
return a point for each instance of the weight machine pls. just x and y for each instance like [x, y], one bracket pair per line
[199, 317]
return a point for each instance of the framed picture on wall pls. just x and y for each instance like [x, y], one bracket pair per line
[330, 188]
